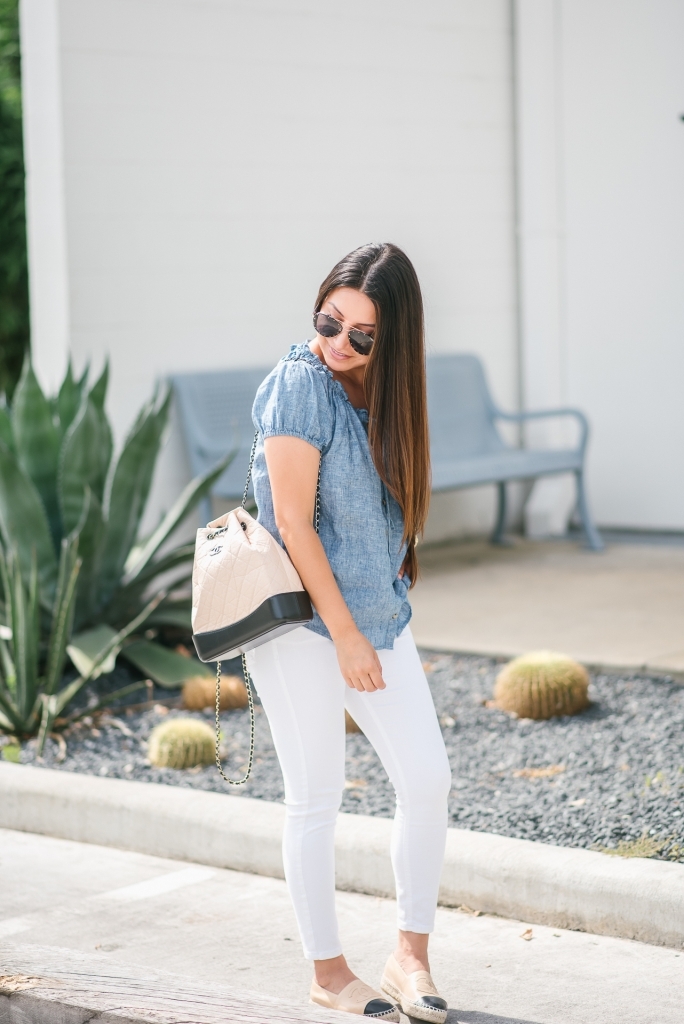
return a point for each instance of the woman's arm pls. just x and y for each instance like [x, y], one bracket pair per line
[293, 470]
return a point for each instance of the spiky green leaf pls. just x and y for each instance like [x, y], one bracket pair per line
[63, 613]
[172, 613]
[36, 442]
[5, 723]
[129, 487]
[8, 673]
[165, 666]
[24, 525]
[47, 710]
[98, 392]
[129, 598]
[21, 607]
[10, 719]
[6, 428]
[85, 648]
[33, 635]
[60, 700]
[110, 698]
[85, 458]
[91, 532]
[188, 500]
[68, 400]
[170, 560]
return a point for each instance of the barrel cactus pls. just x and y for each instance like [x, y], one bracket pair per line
[542, 684]
[181, 743]
[200, 692]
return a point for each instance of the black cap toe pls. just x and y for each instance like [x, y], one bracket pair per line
[376, 1006]
[432, 1002]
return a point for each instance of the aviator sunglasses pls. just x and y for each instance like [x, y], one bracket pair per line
[329, 327]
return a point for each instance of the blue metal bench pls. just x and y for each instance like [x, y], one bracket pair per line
[216, 417]
[467, 449]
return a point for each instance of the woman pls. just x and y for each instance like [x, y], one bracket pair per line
[353, 401]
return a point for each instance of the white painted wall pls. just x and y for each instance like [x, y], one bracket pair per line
[45, 195]
[196, 166]
[600, 93]
[221, 155]
[623, 97]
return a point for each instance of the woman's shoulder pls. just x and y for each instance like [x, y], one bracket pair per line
[296, 396]
[302, 361]
[299, 373]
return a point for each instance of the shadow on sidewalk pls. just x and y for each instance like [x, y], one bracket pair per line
[475, 1017]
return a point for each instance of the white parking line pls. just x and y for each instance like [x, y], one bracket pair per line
[14, 925]
[157, 886]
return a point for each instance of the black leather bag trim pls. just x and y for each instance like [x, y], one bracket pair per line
[277, 615]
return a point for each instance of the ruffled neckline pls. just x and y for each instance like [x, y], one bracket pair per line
[304, 352]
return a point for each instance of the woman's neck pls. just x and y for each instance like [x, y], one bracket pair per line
[352, 382]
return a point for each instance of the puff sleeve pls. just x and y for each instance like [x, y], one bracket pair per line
[294, 401]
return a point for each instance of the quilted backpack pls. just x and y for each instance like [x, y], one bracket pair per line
[245, 591]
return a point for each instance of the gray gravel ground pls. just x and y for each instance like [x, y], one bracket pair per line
[613, 774]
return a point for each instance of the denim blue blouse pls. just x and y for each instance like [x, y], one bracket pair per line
[361, 524]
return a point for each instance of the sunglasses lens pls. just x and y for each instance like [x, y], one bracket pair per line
[326, 326]
[360, 342]
[329, 327]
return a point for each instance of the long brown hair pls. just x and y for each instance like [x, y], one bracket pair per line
[394, 380]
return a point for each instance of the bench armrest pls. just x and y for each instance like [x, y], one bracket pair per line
[520, 417]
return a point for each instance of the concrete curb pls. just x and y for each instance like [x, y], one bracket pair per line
[568, 888]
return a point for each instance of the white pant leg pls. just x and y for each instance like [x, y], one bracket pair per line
[303, 693]
[401, 723]
[302, 690]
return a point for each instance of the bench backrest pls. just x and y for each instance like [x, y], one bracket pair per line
[460, 409]
[216, 413]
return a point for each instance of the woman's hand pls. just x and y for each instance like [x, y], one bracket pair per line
[359, 662]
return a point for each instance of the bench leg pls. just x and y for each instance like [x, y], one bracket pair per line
[498, 535]
[592, 536]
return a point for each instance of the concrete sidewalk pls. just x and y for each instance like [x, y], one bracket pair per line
[631, 898]
[623, 607]
[217, 926]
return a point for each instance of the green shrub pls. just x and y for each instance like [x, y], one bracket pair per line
[72, 561]
[14, 314]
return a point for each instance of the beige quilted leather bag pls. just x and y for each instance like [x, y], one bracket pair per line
[245, 592]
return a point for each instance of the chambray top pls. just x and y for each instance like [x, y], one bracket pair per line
[361, 523]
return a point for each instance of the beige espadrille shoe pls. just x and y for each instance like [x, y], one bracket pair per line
[356, 997]
[415, 993]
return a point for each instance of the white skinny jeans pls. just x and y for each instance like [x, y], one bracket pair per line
[304, 695]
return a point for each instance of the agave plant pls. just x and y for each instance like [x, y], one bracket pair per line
[32, 693]
[77, 580]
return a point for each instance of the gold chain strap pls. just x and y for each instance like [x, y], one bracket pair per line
[250, 701]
